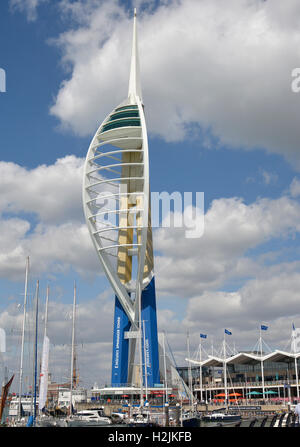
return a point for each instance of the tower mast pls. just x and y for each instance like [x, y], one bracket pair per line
[72, 349]
[135, 88]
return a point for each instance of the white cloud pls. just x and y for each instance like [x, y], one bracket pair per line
[51, 248]
[57, 237]
[231, 229]
[272, 297]
[229, 72]
[54, 235]
[52, 193]
[295, 187]
[29, 7]
[269, 178]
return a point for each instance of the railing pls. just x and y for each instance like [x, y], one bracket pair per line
[273, 383]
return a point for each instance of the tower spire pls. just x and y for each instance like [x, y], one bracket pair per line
[134, 79]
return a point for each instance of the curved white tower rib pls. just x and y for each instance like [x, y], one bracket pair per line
[116, 196]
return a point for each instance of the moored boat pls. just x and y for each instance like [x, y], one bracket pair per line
[221, 417]
[88, 418]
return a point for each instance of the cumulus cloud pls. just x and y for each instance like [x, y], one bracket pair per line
[51, 248]
[52, 193]
[228, 73]
[42, 217]
[57, 237]
[270, 297]
[231, 229]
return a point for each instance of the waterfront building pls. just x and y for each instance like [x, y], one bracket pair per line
[268, 376]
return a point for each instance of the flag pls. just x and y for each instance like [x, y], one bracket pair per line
[263, 328]
[228, 332]
[203, 336]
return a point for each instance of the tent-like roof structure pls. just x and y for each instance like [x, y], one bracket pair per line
[245, 358]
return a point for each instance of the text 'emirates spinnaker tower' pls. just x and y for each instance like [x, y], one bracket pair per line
[116, 198]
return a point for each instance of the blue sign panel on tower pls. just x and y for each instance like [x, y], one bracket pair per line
[151, 340]
[119, 374]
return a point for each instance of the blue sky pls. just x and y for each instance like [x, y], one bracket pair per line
[218, 122]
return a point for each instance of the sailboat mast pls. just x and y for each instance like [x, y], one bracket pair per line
[23, 338]
[145, 362]
[43, 389]
[35, 351]
[72, 350]
[165, 370]
[190, 372]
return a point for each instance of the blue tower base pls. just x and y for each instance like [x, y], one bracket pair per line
[119, 375]
[149, 322]
[119, 370]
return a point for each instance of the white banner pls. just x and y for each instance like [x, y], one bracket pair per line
[44, 374]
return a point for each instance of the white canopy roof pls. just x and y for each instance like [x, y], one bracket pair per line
[245, 358]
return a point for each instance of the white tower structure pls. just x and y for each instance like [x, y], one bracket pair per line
[117, 210]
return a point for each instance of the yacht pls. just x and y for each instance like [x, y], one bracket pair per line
[93, 417]
[142, 418]
[221, 417]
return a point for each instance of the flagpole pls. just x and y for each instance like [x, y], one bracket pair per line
[225, 372]
[190, 372]
[296, 362]
[262, 364]
[297, 379]
[72, 350]
[200, 355]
